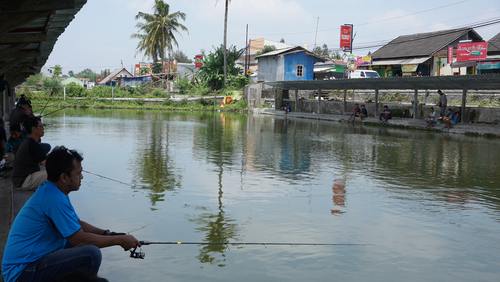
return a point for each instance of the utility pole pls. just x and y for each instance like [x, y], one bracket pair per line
[246, 53]
[315, 37]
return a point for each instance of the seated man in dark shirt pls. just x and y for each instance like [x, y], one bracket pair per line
[385, 114]
[20, 112]
[27, 174]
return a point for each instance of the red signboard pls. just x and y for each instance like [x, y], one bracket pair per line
[198, 61]
[345, 36]
[472, 51]
[450, 54]
[99, 79]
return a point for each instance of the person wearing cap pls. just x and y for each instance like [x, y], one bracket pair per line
[20, 112]
[443, 102]
[27, 174]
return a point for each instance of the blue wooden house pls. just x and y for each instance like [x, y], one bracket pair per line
[287, 64]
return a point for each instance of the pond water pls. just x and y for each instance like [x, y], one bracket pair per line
[429, 203]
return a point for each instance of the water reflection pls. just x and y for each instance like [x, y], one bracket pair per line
[154, 166]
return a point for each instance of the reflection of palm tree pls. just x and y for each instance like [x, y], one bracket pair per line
[154, 166]
[219, 229]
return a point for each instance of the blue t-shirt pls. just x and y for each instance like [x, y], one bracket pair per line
[15, 143]
[453, 117]
[41, 227]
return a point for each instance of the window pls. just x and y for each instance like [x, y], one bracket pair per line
[300, 71]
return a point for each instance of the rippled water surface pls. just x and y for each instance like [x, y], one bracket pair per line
[428, 202]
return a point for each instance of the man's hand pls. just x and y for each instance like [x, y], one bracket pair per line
[129, 242]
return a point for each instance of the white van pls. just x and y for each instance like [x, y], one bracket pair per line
[363, 74]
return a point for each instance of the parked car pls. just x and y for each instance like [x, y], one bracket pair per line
[363, 74]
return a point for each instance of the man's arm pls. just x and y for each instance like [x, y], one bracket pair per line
[81, 238]
[89, 228]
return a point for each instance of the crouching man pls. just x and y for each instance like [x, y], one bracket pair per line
[48, 239]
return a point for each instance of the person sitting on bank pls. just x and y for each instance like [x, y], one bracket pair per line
[385, 114]
[431, 118]
[48, 239]
[16, 138]
[27, 174]
[363, 113]
[20, 112]
[287, 108]
[355, 113]
[458, 114]
[450, 119]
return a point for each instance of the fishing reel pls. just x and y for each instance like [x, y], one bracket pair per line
[137, 255]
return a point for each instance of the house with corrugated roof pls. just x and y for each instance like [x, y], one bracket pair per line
[424, 53]
[492, 63]
[113, 78]
[287, 64]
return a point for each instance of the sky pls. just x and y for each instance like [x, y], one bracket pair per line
[99, 36]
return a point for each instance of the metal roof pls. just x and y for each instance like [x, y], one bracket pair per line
[28, 32]
[473, 82]
[289, 50]
[406, 61]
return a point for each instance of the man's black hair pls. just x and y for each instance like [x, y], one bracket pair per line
[31, 122]
[386, 106]
[23, 101]
[59, 161]
[432, 108]
[15, 127]
[356, 104]
[362, 105]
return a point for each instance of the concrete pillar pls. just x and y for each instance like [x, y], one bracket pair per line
[344, 105]
[376, 102]
[296, 100]
[112, 93]
[415, 104]
[464, 101]
[64, 88]
[319, 101]
[276, 107]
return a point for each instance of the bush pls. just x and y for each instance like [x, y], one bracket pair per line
[75, 90]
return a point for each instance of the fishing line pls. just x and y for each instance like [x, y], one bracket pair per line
[142, 255]
[44, 107]
[54, 111]
[102, 176]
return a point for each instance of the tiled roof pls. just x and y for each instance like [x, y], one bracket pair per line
[422, 44]
[494, 43]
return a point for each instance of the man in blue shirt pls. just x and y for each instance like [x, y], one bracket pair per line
[450, 119]
[48, 239]
[385, 114]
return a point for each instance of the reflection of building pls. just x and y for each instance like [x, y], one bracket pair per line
[338, 195]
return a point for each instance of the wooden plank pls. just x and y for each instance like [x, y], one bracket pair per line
[23, 38]
[35, 5]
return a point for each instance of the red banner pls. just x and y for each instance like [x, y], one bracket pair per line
[472, 51]
[345, 36]
[198, 63]
[450, 54]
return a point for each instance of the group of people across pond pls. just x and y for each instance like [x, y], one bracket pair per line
[449, 118]
[48, 241]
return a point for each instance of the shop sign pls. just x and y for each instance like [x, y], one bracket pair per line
[409, 68]
[345, 37]
[472, 51]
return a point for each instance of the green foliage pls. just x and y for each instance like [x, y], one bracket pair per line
[75, 90]
[32, 79]
[57, 70]
[267, 49]
[180, 57]
[282, 40]
[211, 72]
[158, 31]
[321, 51]
[183, 85]
[237, 82]
[238, 105]
[52, 85]
[71, 73]
[88, 73]
[156, 68]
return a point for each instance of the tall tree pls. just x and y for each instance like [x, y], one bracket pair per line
[159, 30]
[57, 70]
[225, 39]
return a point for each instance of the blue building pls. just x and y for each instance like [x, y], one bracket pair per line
[287, 64]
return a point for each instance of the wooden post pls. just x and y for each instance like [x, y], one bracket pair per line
[296, 100]
[319, 101]
[464, 101]
[344, 105]
[376, 102]
[415, 104]
[64, 88]
[112, 93]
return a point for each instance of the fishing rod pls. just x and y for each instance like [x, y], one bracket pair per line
[44, 107]
[54, 111]
[141, 255]
[102, 176]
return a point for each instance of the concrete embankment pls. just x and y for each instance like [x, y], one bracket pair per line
[474, 129]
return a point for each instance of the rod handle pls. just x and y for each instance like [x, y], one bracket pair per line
[145, 242]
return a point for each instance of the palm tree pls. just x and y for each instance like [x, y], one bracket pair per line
[159, 31]
[225, 39]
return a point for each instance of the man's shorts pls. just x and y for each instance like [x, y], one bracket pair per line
[431, 120]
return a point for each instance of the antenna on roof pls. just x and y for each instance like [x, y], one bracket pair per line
[315, 37]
